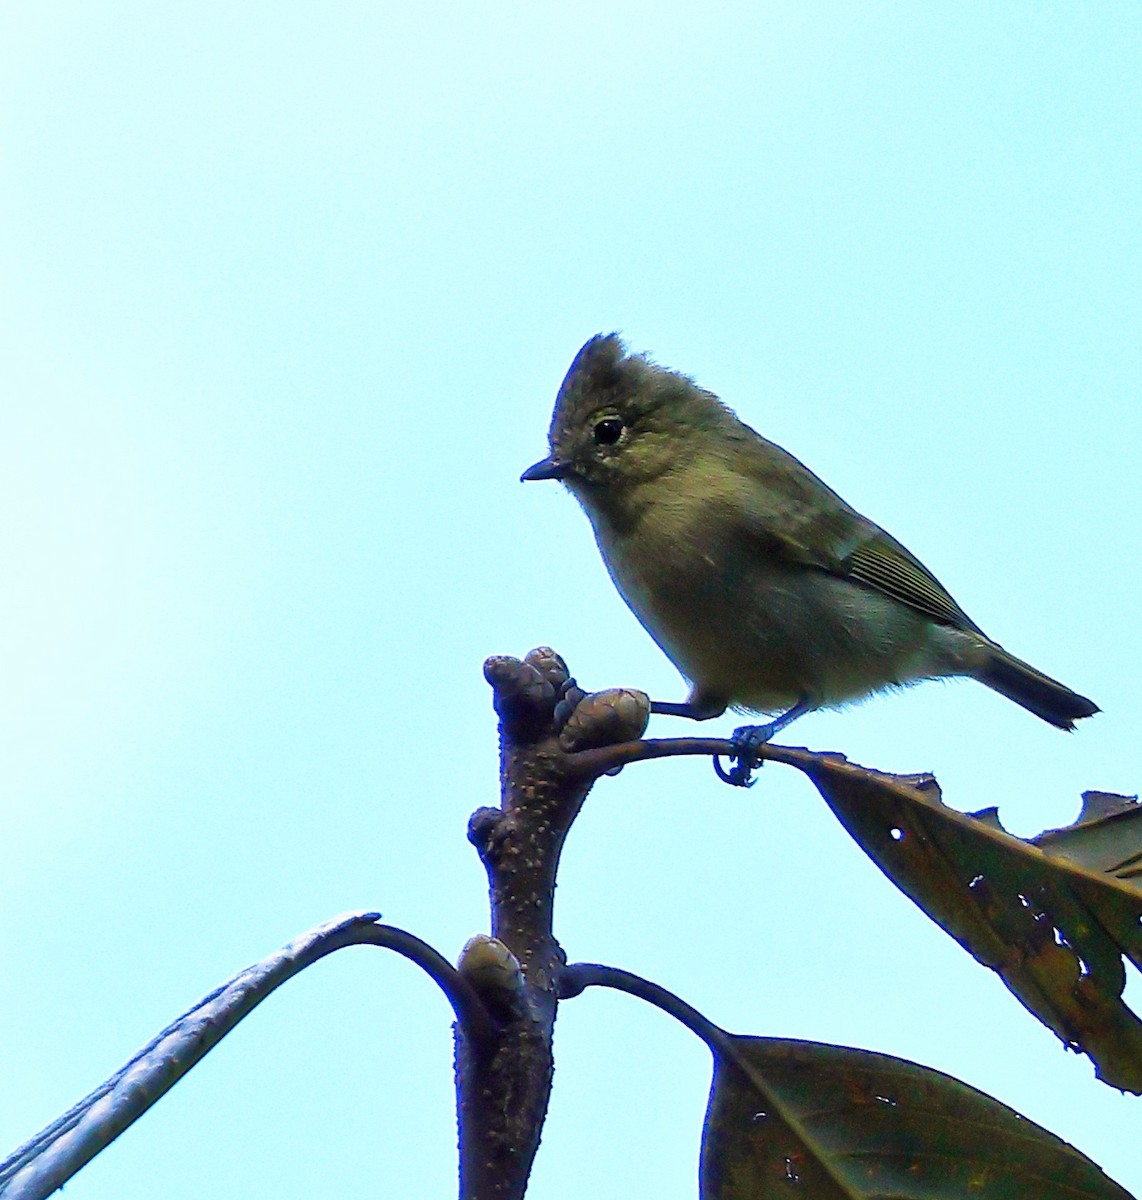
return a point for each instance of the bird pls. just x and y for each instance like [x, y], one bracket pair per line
[768, 592]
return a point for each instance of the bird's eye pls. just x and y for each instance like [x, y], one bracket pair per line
[608, 431]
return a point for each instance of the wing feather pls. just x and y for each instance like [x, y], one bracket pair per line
[884, 564]
[797, 517]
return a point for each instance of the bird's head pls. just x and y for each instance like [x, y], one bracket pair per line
[621, 420]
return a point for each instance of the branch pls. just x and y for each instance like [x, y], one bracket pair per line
[555, 741]
[608, 759]
[604, 759]
[45, 1162]
[576, 977]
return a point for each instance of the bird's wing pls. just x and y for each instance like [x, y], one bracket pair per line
[797, 517]
[881, 562]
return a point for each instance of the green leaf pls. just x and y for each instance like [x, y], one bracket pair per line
[806, 1121]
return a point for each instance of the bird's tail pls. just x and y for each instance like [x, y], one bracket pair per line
[1036, 692]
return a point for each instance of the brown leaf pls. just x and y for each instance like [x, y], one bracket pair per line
[803, 1120]
[1106, 837]
[1054, 915]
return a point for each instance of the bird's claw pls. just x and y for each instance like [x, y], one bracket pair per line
[739, 775]
[746, 742]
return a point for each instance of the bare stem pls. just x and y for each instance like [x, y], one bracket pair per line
[503, 1081]
[504, 1084]
[471, 1014]
[599, 761]
[577, 977]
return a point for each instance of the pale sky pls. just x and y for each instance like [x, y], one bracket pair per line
[286, 294]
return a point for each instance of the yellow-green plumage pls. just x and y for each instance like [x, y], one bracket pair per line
[758, 581]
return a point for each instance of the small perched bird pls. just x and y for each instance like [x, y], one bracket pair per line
[764, 588]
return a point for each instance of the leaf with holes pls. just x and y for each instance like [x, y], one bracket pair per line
[1054, 915]
[816, 1122]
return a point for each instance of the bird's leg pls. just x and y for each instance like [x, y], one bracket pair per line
[748, 739]
[696, 707]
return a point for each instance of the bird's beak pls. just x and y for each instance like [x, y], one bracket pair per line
[546, 468]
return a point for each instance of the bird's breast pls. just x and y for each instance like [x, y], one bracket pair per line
[749, 627]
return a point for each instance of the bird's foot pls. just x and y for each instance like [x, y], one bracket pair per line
[747, 742]
[744, 757]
